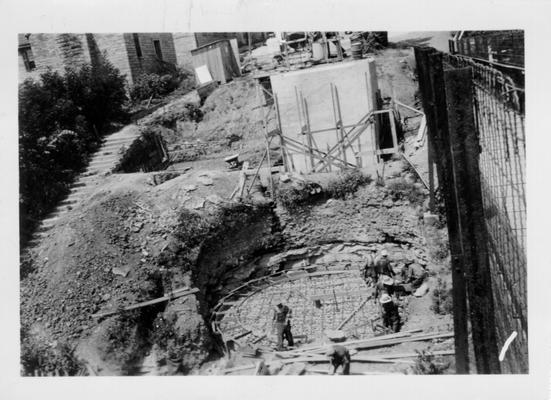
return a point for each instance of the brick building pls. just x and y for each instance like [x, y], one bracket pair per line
[132, 53]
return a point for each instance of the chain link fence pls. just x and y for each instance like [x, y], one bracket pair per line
[499, 113]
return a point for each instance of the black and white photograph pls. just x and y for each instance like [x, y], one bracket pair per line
[302, 203]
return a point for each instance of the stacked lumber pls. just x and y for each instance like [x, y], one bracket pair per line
[316, 354]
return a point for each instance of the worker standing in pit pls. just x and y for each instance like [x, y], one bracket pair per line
[282, 320]
[369, 272]
[391, 316]
[339, 356]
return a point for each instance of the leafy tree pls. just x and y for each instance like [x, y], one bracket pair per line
[60, 118]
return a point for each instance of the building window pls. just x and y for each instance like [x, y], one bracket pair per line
[137, 44]
[28, 59]
[157, 45]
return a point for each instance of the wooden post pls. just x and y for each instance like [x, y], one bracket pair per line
[464, 148]
[249, 43]
[431, 83]
[393, 127]
[431, 174]
[280, 134]
[268, 140]
[341, 129]
[325, 46]
[308, 134]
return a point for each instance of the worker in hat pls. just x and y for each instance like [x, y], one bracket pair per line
[391, 316]
[382, 264]
[386, 284]
[282, 321]
[369, 271]
[414, 276]
[339, 356]
[383, 272]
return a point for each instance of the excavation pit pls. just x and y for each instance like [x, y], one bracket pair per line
[323, 286]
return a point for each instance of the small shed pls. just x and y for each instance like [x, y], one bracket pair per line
[220, 58]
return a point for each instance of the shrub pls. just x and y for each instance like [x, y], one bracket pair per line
[347, 183]
[400, 189]
[41, 359]
[442, 302]
[293, 197]
[163, 79]
[144, 154]
[59, 119]
[426, 365]
[99, 90]
[152, 85]
[437, 243]
[188, 112]
[124, 340]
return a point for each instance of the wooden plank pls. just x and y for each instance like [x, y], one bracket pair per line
[146, 303]
[236, 369]
[408, 355]
[323, 348]
[393, 129]
[392, 342]
[409, 107]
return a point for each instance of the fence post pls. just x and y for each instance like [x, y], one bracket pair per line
[464, 149]
[431, 82]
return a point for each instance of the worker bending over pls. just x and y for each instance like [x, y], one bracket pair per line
[339, 356]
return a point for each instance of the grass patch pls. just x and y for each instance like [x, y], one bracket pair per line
[438, 247]
[347, 183]
[41, 359]
[294, 197]
[400, 189]
[442, 302]
[425, 364]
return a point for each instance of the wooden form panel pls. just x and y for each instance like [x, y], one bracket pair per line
[319, 106]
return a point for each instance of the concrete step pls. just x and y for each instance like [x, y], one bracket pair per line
[44, 227]
[102, 163]
[120, 139]
[77, 184]
[103, 160]
[115, 146]
[80, 191]
[70, 200]
[50, 220]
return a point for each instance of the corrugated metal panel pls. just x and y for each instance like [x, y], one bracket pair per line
[219, 59]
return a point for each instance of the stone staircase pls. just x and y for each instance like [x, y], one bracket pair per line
[104, 160]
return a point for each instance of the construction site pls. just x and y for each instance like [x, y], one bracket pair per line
[282, 179]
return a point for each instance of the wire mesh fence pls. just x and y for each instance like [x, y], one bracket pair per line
[499, 112]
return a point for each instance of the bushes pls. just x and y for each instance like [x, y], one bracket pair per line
[145, 153]
[400, 189]
[425, 364]
[442, 302]
[152, 85]
[164, 79]
[293, 197]
[346, 183]
[40, 359]
[59, 120]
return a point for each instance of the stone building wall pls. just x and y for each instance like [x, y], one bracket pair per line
[113, 46]
[56, 51]
[183, 44]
